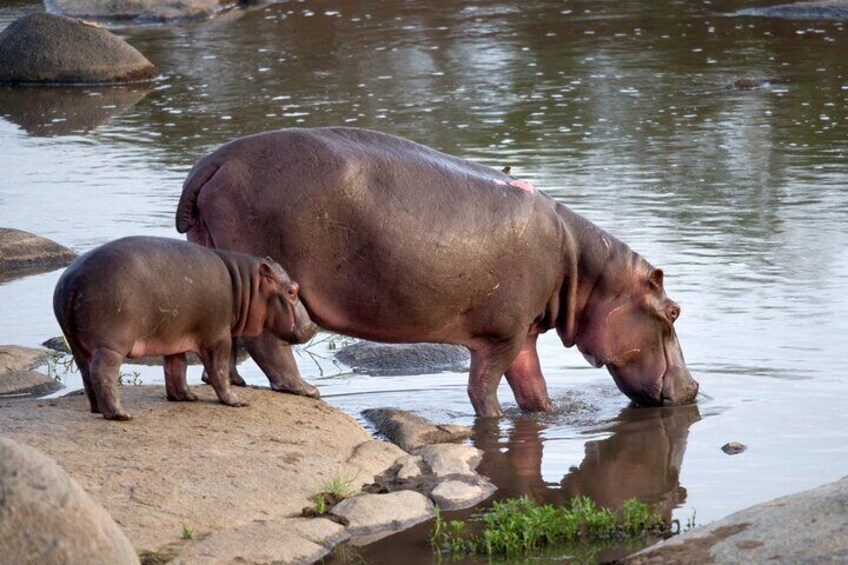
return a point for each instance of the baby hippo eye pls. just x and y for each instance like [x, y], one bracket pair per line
[291, 292]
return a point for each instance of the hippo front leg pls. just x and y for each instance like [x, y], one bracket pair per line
[489, 360]
[276, 360]
[216, 360]
[176, 387]
[235, 378]
[525, 378]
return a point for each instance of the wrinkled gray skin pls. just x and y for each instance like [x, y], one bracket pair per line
[393, 241]
[140, 296]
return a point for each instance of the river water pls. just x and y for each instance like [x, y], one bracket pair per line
[625, 111]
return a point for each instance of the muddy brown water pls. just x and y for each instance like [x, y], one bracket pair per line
[627, 112]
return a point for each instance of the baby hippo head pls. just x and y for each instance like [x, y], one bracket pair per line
[277, 304]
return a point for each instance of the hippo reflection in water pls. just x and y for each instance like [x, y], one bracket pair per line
[393, 241]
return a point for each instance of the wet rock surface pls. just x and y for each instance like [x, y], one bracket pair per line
[733, 448]
[16, 375]
[403, 358]
[378, 513]
[51, 49]
[46, 517]
[410, 431]
[822, 10]
[141, 11]
[22, 253]
[808, 527]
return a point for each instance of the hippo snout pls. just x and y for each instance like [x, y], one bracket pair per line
[679, 387]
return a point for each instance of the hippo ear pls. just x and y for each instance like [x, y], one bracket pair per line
[655, 278]
[267, 270]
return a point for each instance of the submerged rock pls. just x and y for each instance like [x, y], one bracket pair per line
[822, 10]
[50, 49]
[808, 527]
[410, 431]
[22, 252]
[16, 375]
[373, 358]
[733, 447]
[142, 11]
[46, 517]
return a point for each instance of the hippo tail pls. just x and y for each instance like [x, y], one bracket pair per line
[187, 210]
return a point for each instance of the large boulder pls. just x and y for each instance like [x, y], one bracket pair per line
[808, 527]
[373, 358]
[820, 10]
[22, 251]
[46, 517]
[51, 49]
[141, 10]
[16, 375]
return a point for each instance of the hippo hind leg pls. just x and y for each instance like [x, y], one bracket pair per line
[216, 360]
[275, 358]
[176, 387]
[103, 374]
[489, 360]
[525, 378]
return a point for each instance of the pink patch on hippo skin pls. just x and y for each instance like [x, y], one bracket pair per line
[500, 182]
[523, 185]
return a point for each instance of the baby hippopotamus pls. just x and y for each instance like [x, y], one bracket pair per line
[140, 296]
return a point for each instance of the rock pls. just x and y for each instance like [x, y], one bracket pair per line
[410, 431]
[374, 457]
[733, 448]
[50, 49]
[372, 513]
[141, 11]
[409, 468]
[293, 540]
[450, 459]
[21, 251]
[46, 517]
[63, 111]
[808, 527]
[373, 358]
[823, 10]
[456, 494]
[16, 375]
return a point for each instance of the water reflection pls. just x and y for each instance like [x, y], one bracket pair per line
[51, 111]
[641, 458]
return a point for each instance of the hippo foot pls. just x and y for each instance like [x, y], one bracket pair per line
[235, 402]
[301, 388]
[118, 416]
[184, 397]
[235, 379]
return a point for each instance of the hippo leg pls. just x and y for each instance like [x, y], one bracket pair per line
[488, 364]
[525, 379]
[276, 360]
[216, 360]
[176, 387]
[104, 370]
[85, 371]
[235, 378]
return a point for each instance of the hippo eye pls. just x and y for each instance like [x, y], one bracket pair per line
[291, 292]
[673, 312]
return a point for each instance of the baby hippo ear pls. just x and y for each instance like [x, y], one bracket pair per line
[656, 279]
[266, 269]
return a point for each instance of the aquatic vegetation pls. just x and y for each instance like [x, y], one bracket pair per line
[518, 526]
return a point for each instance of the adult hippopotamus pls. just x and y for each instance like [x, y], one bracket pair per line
[393, 241]
[140, 296]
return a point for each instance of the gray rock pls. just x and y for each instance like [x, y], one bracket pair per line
[16, 375]
[410, 431]
[21, 252]
[409, 468]
[50, 49]
[823, 10]
[447, 459]
[372, 358]
[141, 11]
[374, 457]
[457, 494]
[733, 447]
[294, 540]
[808, 527]
[372, 513]
[46, 517]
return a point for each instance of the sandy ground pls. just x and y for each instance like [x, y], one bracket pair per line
[201, 465]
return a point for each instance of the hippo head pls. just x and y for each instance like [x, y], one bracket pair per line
[285, 315]
[628, 326]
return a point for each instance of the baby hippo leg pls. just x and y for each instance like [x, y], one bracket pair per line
[235, 378]
[176, 386]
[216, 359]
[104, 370]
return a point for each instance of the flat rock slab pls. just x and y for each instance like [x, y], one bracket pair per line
[450, 459]
[459, 494]
[376, 513]
[808, 527]
[410, 431]
[371, 358]
[142, 11]
[46, 517]
[51, 49]
[22, 251]
[823, 10]
[16, 375]
[200, 465]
